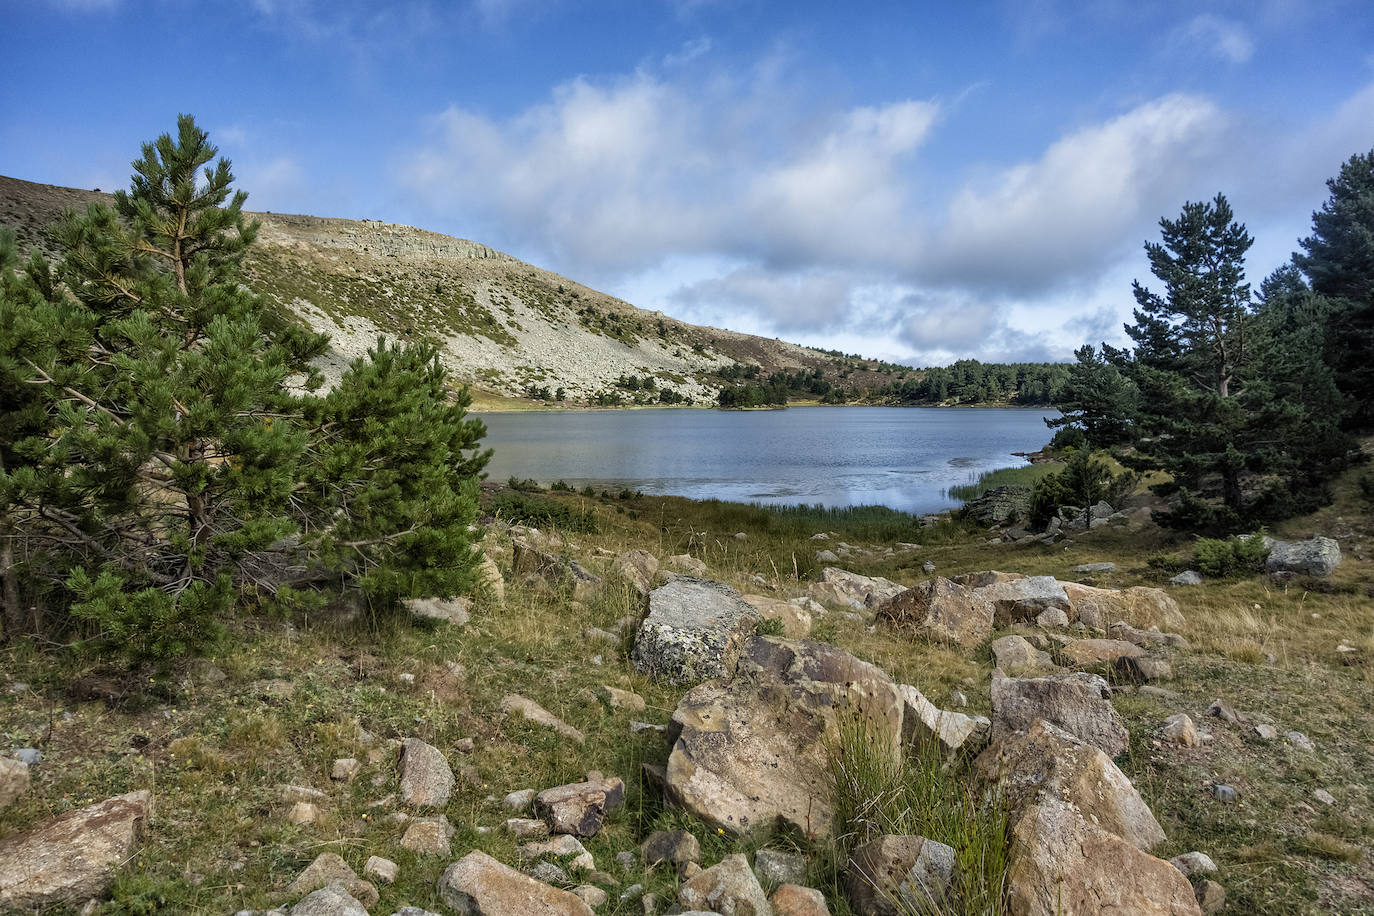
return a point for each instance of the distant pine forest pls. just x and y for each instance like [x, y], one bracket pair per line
[967, 382]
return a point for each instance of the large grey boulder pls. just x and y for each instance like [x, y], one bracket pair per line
[1317, 556]
[729, 888]
[426, 778]
[478, 885]
[894, 875]
[693, 632]
[751, 754]
[1048, 762]
[942, 610]
[72, 857]
[1075, 702]
[1061, 864]
[1024, 599]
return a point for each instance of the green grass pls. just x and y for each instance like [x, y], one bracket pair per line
[1024, 476]
[213, 751]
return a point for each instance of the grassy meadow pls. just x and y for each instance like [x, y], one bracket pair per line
[283, 699]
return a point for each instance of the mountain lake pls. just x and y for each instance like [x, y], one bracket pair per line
[902, 457]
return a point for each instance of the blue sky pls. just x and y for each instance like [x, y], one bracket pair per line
[917, 181]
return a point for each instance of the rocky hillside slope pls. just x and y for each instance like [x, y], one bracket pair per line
[502, 326]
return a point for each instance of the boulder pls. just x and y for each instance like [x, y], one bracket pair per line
[553, 572]
[331, 900]
[686, 563]
[1048, 762]
[1194, 863]
[426, 779]
[1092, 569]
[1000, 505]
[330, 868]
[677, 847]
[953, 732]
[795, 900]
[478, 885]
[1179, 729]
[71, 858]
[1024, 599]
[940, 609]
[14, 780]
[693, 631]
[1052, 619]
[1061, 864]
[750, 754]
[728, 888]
[615, 698]
[515, 704]
[428, 836]
[1138, 605]
[1075, 702]
[1317, 556]
[1186, 578]
[1141, 669]
[637, 567]
[377, 868]
[565, 847]
[1016, 655]
[579, 808]
[447, 610]
[1085, 653]
[862, 593]
[795, 619]
[894, 875]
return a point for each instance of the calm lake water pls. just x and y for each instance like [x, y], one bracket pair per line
[904, 458]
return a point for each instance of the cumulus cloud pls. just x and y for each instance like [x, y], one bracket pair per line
[623, 173]
[1067, 214]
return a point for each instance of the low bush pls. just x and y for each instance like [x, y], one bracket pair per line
[1232, 557]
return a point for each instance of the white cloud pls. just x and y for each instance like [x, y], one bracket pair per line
[690, 51]
[1224, 38]
[1068, 213]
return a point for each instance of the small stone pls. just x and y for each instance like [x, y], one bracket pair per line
[30, 756]
[519, 800]
[330, 868]
[1266, 732]
[1180, 730]
[426, 779]
[565, 847]
[1224, 793]
[429, 836]
[928, 567]
[549, 873]
[639, 728]
[1300, 741]
[1193, 863]
[1222, 710]
[673, 846]
[465, 746]
[526, 828]
[728, 887]
[591, 895]
[331, 900]
[303, 814]
[620, 699]
[1186, 578]
[533, 712]
[406, 678]
[14, 780]
[626, 860]
[1325, 797]
[580, 808]
[380, 870]
[290, 794]
[957, 698]
[345, 769]
[1211, 897]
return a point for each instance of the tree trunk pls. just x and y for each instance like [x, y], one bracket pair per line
[9, 590]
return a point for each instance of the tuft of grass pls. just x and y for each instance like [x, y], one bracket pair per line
[1326, 846]
[1027, 476]
[877, 789]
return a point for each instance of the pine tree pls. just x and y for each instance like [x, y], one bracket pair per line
[163, 458]
[1098, 398]
[1338, 260]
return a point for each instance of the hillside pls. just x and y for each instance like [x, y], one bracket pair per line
[503, 326]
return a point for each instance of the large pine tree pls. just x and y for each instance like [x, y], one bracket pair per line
[164, 456]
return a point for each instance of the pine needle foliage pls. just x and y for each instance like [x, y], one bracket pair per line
[164, 456]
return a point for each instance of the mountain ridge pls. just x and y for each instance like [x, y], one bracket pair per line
[502, 326]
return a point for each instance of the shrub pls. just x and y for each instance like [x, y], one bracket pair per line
[1235, 556]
